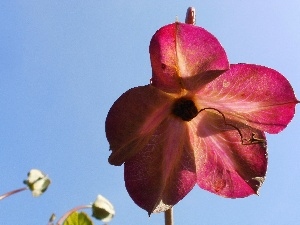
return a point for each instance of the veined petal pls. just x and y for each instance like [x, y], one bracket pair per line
[133, 118]
[185, 56]
[255, 95]
[164, 171]
[225, 164]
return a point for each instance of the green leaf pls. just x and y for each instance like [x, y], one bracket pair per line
[76, 218]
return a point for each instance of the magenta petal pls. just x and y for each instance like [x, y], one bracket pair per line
[184, 56]
[255, 95]
[164, 171]
[226, 166]
[132, 119]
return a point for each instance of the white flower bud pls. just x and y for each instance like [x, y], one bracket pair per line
[103, 209]
[37, 182]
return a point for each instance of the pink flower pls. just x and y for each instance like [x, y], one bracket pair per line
[200, 121]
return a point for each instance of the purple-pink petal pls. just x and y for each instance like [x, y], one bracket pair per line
[185, 56]
[255, 95]
[132, 119]
[226, 164]
[164, 171]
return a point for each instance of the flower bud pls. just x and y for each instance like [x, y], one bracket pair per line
[103, 209]
[37, 182]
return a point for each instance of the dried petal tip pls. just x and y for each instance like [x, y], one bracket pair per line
[102, 209]
[37, 182]
[190, 16]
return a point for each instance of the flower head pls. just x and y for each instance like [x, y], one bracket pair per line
[200, 121]
[37, 182]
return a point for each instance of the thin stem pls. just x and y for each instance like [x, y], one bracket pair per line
[62, 219]
[13, 192]
[169, 217]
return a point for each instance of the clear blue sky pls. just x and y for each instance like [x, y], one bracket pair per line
[64, 63]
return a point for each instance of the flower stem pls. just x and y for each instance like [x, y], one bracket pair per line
[169, 217]
[62, 219]
[13, 192]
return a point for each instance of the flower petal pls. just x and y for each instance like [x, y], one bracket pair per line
[256, 95]
[163, 172]
[225, 165]
[184, 56]
[132, 119]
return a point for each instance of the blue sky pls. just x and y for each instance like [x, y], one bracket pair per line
[64, 63]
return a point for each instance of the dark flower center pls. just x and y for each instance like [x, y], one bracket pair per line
[185, 109]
